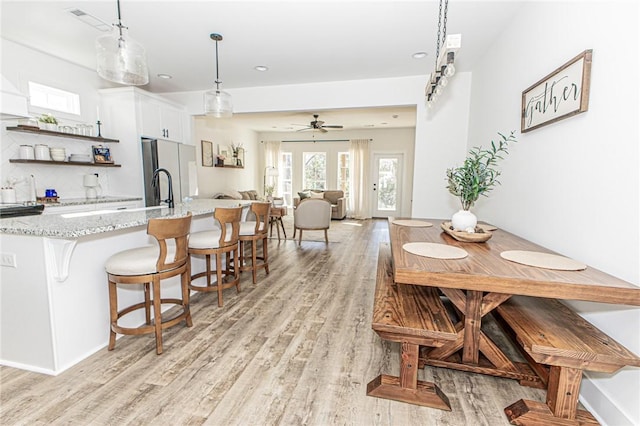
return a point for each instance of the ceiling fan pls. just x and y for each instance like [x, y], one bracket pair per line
[318, 125]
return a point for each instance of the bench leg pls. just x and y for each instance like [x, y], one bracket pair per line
[407, 387]
[562, 402]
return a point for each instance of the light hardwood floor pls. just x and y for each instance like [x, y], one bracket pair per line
[295, 349]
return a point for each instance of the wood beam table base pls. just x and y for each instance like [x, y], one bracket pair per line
[532, 413]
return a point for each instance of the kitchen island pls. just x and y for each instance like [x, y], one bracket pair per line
[54, 306]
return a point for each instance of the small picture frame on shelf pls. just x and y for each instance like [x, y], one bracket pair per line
[101, 155]
[207, 153]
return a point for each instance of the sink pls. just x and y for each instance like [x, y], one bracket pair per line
[98, 212]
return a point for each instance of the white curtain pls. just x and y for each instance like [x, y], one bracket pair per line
[271, 160]
[359, 203]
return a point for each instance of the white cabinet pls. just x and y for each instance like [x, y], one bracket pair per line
[161, 120]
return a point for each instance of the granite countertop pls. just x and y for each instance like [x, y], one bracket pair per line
[73, 225]
[83, 201]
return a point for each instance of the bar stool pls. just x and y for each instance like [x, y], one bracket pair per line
[252, 232]
[149, 266]
[218, 242]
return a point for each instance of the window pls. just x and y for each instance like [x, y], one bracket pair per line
[285, 178]
[343, 173]
[53, 99]
[314, 170]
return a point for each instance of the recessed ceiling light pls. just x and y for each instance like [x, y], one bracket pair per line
[369, 125]
[384, 123]
[394, 116]
[165, 76]
[419, 55]
[261, 68]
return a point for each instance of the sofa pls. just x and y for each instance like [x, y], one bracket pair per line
[334, 196]
[237, 195]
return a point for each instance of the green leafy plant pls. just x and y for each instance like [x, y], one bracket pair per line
[478, 175]
[48, 118]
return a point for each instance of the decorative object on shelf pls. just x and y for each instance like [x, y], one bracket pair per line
[120, 58]
[220, 160]
[217, 103]
[445, 57]
[225, 153]
[48, 122]
[98, 123]
[207, 153]
[270, 176]
[561, 94]
[102, 155]
[477, 176]
[238, 151]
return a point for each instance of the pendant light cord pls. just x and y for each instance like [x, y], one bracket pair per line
[217, 74]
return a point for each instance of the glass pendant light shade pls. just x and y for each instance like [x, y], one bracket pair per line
[217, 103]
[121, 59]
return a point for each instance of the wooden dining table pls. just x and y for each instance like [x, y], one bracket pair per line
[483, 280]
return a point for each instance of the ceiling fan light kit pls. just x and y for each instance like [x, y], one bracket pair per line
[217, 103]
[445, 58]
[120, 58]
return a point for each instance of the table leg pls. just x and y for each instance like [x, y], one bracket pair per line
[407, 387]
[283, 231]
[472, 323]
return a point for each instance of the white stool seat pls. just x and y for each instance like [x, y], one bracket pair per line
[137, 261]
[208, 239]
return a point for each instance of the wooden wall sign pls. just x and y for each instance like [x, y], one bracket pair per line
[561, 94]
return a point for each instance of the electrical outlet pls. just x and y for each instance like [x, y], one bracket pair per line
[8, 259]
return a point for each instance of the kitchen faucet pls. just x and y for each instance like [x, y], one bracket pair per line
[155, 183]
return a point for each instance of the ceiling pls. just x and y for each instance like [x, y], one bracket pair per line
[299, 41]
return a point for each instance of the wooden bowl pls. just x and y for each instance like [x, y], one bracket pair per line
[480, 236]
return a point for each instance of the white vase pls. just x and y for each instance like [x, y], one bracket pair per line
[463, 220]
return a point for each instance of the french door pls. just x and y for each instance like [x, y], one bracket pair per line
[387, 185]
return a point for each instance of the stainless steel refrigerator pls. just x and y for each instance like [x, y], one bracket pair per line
[179, 159]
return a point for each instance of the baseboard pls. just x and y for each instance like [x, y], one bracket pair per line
[28, 367]
[601, 406]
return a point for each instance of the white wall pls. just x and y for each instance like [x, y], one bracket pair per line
[573, 186]
[214, 180]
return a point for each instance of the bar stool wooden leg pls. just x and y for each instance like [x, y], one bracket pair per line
[113, 313]
[265, 253]
[147, 304]
[157, 314]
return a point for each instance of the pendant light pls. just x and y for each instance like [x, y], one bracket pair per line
[217, 103]
[446, 48]
[120, 58]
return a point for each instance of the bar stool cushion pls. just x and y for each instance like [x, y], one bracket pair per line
[137, 261]
[207, 239]
[249, 227]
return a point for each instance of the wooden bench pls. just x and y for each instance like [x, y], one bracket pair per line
[412, 316]
[563, 344]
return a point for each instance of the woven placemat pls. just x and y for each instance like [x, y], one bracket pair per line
[435, 250]
[543, 260]
[412, 222]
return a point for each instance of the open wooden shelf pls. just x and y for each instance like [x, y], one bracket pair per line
[36, 131]
[65, 163]
[229, 166]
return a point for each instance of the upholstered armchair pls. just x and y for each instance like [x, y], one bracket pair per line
[334, 196]
[312, 214]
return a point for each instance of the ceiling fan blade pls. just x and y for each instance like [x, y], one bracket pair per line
[333, 127]
[323, 130]
[302, 130]
[318, 123]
